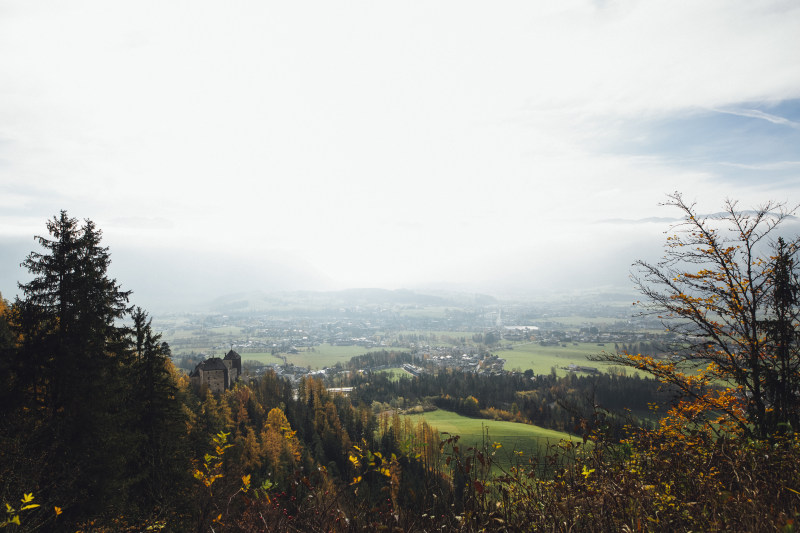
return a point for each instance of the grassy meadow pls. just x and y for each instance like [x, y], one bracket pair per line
[542, 358]
[438, 337]
[324, 355]
[575, 321]
[396, 373]
[327, 355]
[262, 357]
[513, 436]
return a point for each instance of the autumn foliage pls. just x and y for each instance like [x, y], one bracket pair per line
[264, 456]
[727, 285]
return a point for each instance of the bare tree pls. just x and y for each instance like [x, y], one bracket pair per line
[728, 287]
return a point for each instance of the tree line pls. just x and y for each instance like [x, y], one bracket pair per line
[561, 403]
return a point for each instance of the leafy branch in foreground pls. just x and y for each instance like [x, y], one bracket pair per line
[729, 289]
[13, 514]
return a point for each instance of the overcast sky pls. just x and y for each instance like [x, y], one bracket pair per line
[290, 145]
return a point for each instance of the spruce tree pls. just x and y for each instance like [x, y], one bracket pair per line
[73, 366]
[159, 462]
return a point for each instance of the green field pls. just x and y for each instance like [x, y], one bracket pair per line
[326, 355]
[320, 356]
[575, 321]
[426, 312]
[262, 357]
[513, 436]
[396, 373]
[437, 337]
[542, 358]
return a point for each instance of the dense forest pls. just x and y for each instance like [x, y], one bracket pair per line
[100, 432]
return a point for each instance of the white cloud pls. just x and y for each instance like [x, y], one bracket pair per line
[382, 142]
[777, 165]
[757, 113]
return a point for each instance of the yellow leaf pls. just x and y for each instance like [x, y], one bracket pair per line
[27, 498]
[58, 511]
[246, 480]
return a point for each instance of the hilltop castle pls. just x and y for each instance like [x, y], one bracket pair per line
[217, 374]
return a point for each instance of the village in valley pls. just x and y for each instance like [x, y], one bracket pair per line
[435, 334]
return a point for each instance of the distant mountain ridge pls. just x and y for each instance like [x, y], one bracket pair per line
[658, 220]
[364, 297]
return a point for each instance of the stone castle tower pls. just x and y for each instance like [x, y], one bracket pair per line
[217, 374]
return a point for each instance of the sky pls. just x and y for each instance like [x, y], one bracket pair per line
[498, 147]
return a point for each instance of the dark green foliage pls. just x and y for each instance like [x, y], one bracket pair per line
[8, 363]
[782, 372]
[382, 358]
[158, 422]
[72, 358]
[92, 422]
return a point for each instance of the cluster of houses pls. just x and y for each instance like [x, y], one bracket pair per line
[412, 369]
[465, 358]
[519, 333]
[578, 368]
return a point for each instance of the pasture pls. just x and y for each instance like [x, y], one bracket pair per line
[576, 321]
[262, 357]
[437, 337]
[327, 355]
[542, 358]
[514, 437]
[324, 355]
[396, 373]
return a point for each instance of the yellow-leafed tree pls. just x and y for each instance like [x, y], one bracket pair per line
[727, 287]
[281, 446]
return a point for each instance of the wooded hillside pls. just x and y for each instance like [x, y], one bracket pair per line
[100, 432]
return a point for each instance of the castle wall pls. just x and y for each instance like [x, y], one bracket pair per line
[215, 380]
[215, 374]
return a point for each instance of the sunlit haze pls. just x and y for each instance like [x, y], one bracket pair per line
[512, 147]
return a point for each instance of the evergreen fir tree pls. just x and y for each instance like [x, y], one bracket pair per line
[73, 366]
[161, 454]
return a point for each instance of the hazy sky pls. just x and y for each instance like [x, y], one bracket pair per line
[337, 144]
